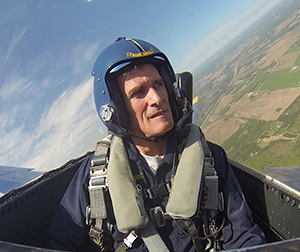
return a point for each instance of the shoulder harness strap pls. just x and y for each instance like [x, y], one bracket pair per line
[214, 198]
[96, 212]
[212, 202]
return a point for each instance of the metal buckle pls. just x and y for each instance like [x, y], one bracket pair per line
[98, 178]
[160, 190]
[98, 181]
[209, 162]
[130, 239]
[99, 160]
[88, 220]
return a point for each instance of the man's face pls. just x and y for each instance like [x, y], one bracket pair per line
[146, 100]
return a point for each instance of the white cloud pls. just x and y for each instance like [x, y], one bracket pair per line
[80, 59]
[19, 32]
[64, 128]
[14, 86]
[39, 62]
[45, 138]
[43, 132]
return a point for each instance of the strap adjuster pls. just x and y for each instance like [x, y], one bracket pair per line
[160, 190]
[98, 178]
[98, 181]
[130, 239]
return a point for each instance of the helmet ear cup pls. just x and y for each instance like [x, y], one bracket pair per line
[122, 118]
[106, 113]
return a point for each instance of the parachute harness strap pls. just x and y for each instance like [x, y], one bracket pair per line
[96, 212]
[211, 206]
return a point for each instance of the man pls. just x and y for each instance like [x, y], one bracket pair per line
[158, 177]
[146, 101]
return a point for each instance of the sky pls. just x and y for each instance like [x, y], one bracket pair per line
[47, 52]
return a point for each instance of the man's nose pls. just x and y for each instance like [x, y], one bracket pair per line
[154, 97]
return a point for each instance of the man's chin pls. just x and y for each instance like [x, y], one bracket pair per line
[160, 132]
[152, 130]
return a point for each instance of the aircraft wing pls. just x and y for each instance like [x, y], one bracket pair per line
[14, 177]
[287, 175]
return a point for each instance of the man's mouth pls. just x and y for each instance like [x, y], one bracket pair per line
[159, 113]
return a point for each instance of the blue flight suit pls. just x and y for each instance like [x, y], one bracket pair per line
[68, 230]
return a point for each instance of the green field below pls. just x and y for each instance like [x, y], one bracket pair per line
[297, 62]
[257, 143]
[294, 48]
[247, 145]
[282, 79]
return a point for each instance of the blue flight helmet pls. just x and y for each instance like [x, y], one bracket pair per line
[120, 56]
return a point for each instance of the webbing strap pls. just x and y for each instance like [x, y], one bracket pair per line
[98, 209]
[152, 239]
[96, 212]
[121, 248]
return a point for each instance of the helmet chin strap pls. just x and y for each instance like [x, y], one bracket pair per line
[156, 139]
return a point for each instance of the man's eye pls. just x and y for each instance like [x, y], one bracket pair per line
[137, 93]
[159, 84]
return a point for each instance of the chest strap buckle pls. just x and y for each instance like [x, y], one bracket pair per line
[160, 190]
[130, 239]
